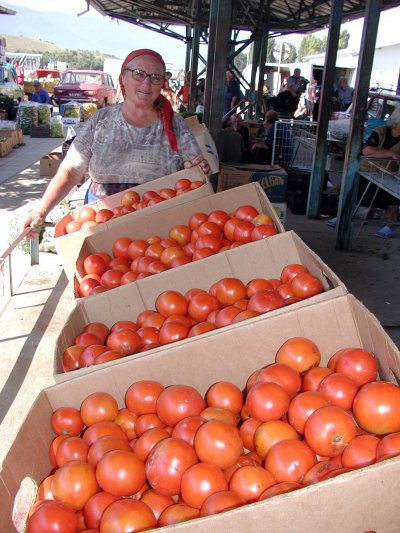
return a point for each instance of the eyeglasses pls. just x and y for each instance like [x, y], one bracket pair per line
[141, 75]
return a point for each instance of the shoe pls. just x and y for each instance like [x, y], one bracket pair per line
[385, 233]
[331, 222]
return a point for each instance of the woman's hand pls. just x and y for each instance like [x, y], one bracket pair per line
[34, 219]
[201, 162]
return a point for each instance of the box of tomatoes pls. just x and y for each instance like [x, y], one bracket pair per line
[318, 494]
[159, 227]
[266, 266]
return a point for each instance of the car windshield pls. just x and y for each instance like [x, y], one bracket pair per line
[82, 77]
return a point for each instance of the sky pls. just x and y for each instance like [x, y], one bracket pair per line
[122, 37]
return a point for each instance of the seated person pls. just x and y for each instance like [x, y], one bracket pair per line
[343, 94]
[230, 144]
[262, 150]
[237, 125]
[41, 96]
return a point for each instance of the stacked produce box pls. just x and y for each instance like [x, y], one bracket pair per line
[210, 386]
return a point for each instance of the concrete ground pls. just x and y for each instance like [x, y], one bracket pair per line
[32, 319]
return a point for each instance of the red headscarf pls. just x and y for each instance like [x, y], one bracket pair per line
[162, 105]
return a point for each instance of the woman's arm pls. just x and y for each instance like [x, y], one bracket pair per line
[374, 151]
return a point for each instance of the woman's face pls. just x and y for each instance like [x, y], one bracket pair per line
[142, 93]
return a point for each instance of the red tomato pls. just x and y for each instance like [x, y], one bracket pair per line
[220, 502]
[264, 301]
[171, 303]
[147, 440]
[111, 278]
[218, 443]
[71, 449]
[359, 365]
[376, 407]
[149, 195]
[103, 445]
[226, 396]
[67, 421]
[127, 421]
[229, 228]
[292, 270]
[186, 429]
[87, 285]
[137, 248]
[72, 226]
[208, 241]
[105, 357]
[339, 390]
[94, 264]
[299, 353]
[196, 220]
[89, 354]
[263, 231]
[182, 183]
[142, 396]
[256, 285]
[181, 234]
[128, 277]
[246, 212]
[95, 507]
[306, 285]
[166, 193]
[267, 401]
[209, 228]
[100, 429]
[127, 515]
[70, 358]
[166, 464]
[99, 329]
[154, 320]
[157, 502]
[149, 337]
[318, 472]
[124, 324]
[313, 377]
[328, 430]
[121, 246]
[289, 460]
[247, 430]
[244, 315]
[147, 421]
[243, 231]
[225, 316]
[249, 482]
[202, 253]
[230, 290]
[125, 341]
[120, 473]
[74, 483]
[119, 263]
[130, 197]
[281, 374]
[103, 215]
[269, 433]
[389, 446]
[85, 214]
[286, 291]
[174, 514]
[218, 413]
[302, 406]
[177, 402]
[201, 305]
[172, 332]
[279, 488]
[361, 451]
[201, 481]
[154, 250]
[219, 217]
[86, 339]
[52, 516]
[55, 443]
[98, 407]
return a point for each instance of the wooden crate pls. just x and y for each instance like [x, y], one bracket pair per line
[5, 146]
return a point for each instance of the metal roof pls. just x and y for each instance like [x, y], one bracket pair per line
[276, 16]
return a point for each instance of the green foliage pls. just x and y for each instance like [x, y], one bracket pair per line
[310, 45]
[343, 39]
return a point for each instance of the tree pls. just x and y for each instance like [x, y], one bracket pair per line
[310, 45]
[343, 40]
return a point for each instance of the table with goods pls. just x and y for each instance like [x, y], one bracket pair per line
[215, 374]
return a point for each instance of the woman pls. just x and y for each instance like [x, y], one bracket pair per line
[128, 144]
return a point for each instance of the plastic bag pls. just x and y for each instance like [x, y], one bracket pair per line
[56, 127]
[27, 116]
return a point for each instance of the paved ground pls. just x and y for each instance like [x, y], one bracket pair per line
[32, 319]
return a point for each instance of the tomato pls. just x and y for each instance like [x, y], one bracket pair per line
[256, 285]
[208, 241]
[244, 315]
[86, 339]
[157, 502]
[281, 374]
[289, 460]
[95, 507]
[71, 449]
[180, 233]
[72, 226]
[172, 332]
[177, 402]
[100, 429]
[111, 278]
[328, 430]
[166, 464]
[263, 231]
[170, 253]
[120, 247]
[218, 413]
[220, 502]
[247, 431]
[99, 329]
[186, 429]
[269, 433]
[147, 440]
[103, 445]
[225, 395]
[171, 303]
[124, 324]
[88, 224]
[127, 515]
[246, 212]
[174, 514]
[90, 353]
[121, 473]
[376, 407]
[103, 215]
[313, 377]
[119, 263]
[94, 264]
[389, 446]
[292, 270]
[267, 401]
[74, 483]
[285, 290]
[249, 482]
[44, 490]
[299, 353]
[359, 365]
[149, 337]
[225, 316]
[243, 231]
[147, 421]
[137, 248]
[141, 397]
[154, 320]
[98, 407]
[318, 472]
[196, 220]
[166, 193]
[129, 197]
[127, 421]
[67, 421]
[85, 214]
[52, 516]
[55, 443]
[125, 341]
[200, 481]
[264, 301]
[70, 357]
[306, 285]
[361, 451]
[128, 277]
[339, 390]
[202, 253]
[230, 290]
[229, 228]
[279, 488]
[302, 406]
[218, 443]
[87, 285]
[201, 305]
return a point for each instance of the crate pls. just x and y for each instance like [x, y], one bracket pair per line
[5, 146]
[40, 131]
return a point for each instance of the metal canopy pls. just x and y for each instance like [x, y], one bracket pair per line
[276, 16]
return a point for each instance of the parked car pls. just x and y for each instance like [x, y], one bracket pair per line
[86, 86]
[9, 87]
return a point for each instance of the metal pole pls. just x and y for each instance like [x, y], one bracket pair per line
[261, 72]
[195, 66]
[321, 148]
[347, 198]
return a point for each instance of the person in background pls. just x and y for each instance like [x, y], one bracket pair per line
[126, 144]
[229, 143]
[232, 92]
[10, 68]
[167, 90]
[183, 93]
[262, 150]
[288, 99]
[311, 97]
[19, 69]
[41, 96]
[237, 125]
[384, 146]
[343, 94]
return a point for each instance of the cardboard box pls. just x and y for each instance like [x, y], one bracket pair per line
[49, 164]
[13, 135]
[5, 146]
[273, 179]
[365, 499]
[260, 259]
[74, 248]
[205, 141]
[280, 209]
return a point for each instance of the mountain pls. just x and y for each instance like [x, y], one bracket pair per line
[27, 44]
